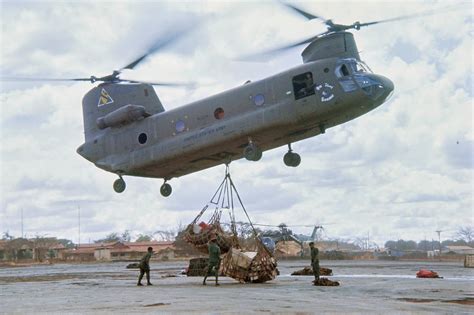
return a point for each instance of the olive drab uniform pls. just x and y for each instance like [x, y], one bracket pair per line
[214, 261]
[315, 261]
[144, 266]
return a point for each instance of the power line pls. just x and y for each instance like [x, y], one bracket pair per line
[285, 225]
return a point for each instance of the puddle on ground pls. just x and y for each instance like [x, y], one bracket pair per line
[465, 301]
[414, 300]
[157, 304]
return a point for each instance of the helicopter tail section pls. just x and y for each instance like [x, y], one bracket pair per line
[112, 105]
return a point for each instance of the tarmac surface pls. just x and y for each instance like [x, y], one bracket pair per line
[365, 287]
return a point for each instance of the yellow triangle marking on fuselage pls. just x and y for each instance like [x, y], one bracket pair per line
[104, 98]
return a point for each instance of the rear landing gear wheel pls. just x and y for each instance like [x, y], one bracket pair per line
[291, 159]
[166, 190]
[252, 152]
[119, 185]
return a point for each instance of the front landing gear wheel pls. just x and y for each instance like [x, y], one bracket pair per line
[252, 152]
[292, 159]
[119, 185]
[166, 190]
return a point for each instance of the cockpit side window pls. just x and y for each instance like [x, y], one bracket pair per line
[303, 85]
[344, 70]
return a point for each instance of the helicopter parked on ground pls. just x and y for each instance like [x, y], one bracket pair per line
[129, 133]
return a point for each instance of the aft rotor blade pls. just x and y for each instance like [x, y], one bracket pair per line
[307, 15]
[159, 45]
[168, 84]
[411, 16]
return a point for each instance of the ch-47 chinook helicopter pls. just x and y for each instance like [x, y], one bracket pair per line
[128, 132]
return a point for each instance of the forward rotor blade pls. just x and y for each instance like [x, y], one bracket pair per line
[267, 53]
[412, 16]
[307, 15]
[20, 79]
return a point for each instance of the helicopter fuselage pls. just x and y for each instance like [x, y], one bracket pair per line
[296, 104]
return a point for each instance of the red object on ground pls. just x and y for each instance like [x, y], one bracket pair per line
[423, 273]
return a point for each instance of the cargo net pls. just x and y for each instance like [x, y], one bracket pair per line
[199, 234]
[257, 265]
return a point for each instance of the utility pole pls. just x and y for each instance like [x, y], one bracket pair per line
[439, 239]
[368, 240]
[79, 226]
[22, 223]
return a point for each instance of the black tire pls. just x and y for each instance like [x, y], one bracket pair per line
[252, 153]
[296, 160]
[166, 190]
[119, 185]
[287, 159]
[249, 152]
[292, 159]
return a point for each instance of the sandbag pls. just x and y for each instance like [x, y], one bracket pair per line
[308, 271]
[325, 282]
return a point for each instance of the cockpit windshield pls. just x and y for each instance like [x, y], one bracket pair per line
[346, 69]
[360, 66]
[347, 66]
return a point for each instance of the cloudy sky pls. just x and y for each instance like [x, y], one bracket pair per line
[403, 170]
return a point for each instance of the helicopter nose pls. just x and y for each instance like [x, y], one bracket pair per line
[377, 87]
[388, 87]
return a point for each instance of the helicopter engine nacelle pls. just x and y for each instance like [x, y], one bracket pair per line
[339, 44]
[122, 116]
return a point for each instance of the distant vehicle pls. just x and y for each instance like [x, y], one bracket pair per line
[269, 243]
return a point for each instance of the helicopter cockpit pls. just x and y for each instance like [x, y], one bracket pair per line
[348, 66]
[353, 74]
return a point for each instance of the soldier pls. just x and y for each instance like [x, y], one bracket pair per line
[214, 259]
[145, 267]
[314, 261]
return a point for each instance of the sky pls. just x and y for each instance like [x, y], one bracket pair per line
[402, 171]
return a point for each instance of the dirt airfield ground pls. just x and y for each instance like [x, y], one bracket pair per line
[366, 287]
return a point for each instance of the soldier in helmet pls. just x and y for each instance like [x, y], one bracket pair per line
[214, 259]
[314, 261]
[145, 267]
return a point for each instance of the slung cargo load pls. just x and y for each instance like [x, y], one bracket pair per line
[256, 267]
[252, 264]
[200, 234]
